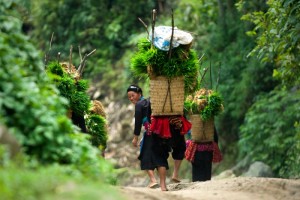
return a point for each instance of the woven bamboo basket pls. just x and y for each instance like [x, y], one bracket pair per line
[167, 95]
[202, 131]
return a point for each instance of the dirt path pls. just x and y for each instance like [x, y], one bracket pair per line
[240, 188]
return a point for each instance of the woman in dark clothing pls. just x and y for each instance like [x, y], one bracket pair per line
[169, 130]
[202, 155]
[153, 153]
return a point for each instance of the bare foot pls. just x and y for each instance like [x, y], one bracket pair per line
[176, 180]
[153, 185]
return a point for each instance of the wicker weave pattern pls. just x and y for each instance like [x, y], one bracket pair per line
[202, 131]
[164, 102]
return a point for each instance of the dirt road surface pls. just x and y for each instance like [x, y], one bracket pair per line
[239, 188]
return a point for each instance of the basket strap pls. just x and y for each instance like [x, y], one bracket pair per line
[168, 91]
[203, 125]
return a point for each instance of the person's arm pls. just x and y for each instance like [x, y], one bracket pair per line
[138, 118]
[137, 124]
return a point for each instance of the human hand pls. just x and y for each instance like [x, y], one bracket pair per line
[175, 121]
[135, 141]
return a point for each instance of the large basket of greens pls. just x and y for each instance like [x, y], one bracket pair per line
[173, 72]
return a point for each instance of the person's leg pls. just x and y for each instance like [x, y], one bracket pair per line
[199, 167]
[208, 166]
[145, 157]
[177, 164]
[160, 158]
[162, 171]
[195, 173]
[178, 149]
[153, 181]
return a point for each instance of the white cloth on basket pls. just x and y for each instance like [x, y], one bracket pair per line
[162, 37]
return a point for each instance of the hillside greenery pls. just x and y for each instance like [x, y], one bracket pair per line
[36, 115]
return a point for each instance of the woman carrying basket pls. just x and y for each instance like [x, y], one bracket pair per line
[202, 155]
[150, 159]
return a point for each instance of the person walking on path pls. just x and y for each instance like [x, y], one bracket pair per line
[142, 117]
[202, 155]
[169, 132]
[166, 135]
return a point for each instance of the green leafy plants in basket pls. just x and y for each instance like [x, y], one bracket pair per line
[206, 103]
[150, 61]
[73, 89]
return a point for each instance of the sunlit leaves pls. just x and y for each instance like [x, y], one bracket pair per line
[278, 38]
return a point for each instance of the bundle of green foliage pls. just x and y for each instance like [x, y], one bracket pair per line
[150, 61]
[206, 103]
[98, 130]
[72, 89]
[75, 90]
[97, 124]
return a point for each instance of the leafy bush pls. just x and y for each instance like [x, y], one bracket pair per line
[32, 110]
[29, 181]
[291, 168]
[277, 38]
[269, 133]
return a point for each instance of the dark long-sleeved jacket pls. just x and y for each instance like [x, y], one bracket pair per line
[142, 113]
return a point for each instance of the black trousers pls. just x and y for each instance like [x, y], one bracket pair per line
[202, 166]
[177, 144]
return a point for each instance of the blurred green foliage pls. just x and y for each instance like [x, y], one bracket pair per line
[107, 26]
[24, 179]
[269, 132]
[32, 109]
[97, 126]
[273, 119]
[74, 89]
[277, 38]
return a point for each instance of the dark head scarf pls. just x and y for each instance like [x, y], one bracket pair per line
[135, 88]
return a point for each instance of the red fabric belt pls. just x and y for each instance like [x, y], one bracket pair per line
[161, 126]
